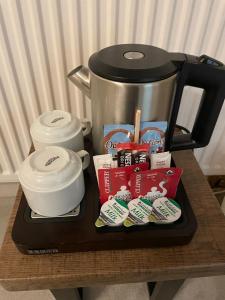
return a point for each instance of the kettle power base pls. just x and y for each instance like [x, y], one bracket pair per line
[78, 233]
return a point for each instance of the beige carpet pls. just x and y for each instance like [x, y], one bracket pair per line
[30, 295]
[209, 288]
[137, 291]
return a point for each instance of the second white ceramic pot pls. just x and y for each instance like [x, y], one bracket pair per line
[52, 180]
[59, 128]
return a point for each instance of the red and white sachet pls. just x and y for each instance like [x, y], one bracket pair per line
[115, 181]
[153, 184]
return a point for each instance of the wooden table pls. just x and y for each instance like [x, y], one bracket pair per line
[204, 256]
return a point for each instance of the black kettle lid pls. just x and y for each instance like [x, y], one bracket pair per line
[134, 63]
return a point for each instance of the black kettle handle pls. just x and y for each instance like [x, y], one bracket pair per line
[206, 73]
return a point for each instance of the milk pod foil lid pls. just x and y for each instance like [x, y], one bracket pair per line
[139, 212]
[165, 211]
[113, 213]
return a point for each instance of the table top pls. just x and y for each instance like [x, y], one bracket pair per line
[203, 256]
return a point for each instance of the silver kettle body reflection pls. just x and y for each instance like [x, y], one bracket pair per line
[114, 102]
[123, 78]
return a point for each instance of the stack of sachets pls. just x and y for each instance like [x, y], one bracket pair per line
[131, 193]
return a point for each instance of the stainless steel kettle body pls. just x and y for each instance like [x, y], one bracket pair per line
[123, 78]
[116, 102]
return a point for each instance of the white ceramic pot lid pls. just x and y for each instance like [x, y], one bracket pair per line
[50, 169]
[55, 126]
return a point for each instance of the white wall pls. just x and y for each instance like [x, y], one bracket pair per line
[42, 40]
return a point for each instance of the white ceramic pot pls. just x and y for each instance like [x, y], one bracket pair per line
[52, 180]
[59, 128]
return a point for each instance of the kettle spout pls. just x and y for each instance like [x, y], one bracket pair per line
[80, 76]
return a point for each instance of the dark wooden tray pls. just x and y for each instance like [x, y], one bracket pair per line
[35, 236]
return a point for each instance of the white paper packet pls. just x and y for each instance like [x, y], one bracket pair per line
[104, 161]
[160, 160]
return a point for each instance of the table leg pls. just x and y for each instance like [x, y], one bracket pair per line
[164, 289]
[66, 294]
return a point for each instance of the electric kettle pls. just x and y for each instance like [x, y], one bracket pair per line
[123, 78]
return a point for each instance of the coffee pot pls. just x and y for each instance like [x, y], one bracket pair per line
[123, 78]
